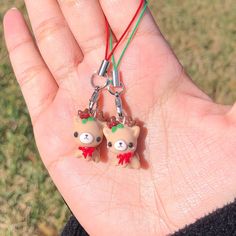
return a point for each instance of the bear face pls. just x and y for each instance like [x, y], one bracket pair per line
[88, 132]
[121, 138]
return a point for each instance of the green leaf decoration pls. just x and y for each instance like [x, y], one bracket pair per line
[91, 119]
[113, 129]
[84, 121]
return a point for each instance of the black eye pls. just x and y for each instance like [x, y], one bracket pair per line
[76, 134]
[131, 145]
[99, 139]
[109, 144]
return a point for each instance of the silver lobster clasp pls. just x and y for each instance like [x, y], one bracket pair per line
[119, 105]
[93, 101]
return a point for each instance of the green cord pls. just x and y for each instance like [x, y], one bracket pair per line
[111, 47]
[116, 65]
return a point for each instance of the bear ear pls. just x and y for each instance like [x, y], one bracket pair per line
[136, 131]
[102, 123]
[106, 131]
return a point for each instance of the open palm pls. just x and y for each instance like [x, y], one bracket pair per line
[187, 143]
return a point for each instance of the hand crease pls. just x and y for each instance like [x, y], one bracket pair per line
[48, 27]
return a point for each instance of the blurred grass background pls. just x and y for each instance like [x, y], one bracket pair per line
[203, 35]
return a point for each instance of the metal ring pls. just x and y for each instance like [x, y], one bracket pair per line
[122, 87]
[96, 86]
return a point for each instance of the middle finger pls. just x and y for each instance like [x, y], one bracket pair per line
[87, 23]
[56, 43]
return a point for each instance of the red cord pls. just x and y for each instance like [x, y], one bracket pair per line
[108, 57]
[107, 37]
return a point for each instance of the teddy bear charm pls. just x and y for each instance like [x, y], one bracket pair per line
[88, 134]
[121, 132]
[122, 136]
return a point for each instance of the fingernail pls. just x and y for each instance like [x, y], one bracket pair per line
[14, 8]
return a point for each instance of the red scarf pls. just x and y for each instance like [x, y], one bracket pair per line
[124, 158]
[87, 151]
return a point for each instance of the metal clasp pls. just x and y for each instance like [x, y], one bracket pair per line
[103, 68]
[94, 100]
[116, 78]
[119, 106]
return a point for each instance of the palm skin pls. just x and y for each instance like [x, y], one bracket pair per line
[186, 144]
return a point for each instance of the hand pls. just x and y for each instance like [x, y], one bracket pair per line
[187, 140]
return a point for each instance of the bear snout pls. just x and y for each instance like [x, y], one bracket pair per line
[120, 145]
[86, 138]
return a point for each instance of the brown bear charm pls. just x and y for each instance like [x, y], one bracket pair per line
[122, 141]
[88, 133]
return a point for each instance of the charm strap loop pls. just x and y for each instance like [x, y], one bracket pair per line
[106, 83]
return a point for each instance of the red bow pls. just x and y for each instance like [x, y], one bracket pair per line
[87, 151]
[125, 157]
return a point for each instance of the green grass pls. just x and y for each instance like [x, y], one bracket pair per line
[203, 35]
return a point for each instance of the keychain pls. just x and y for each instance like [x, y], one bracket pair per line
[122, 132]
[90, 125]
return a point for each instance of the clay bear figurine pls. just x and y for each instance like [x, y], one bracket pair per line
[88, 134]
[122, 141]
